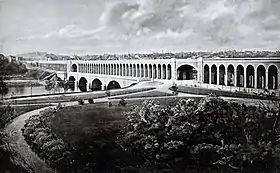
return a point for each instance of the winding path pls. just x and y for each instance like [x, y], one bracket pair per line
[19, 145]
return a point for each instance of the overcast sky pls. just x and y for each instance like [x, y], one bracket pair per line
[116, 26]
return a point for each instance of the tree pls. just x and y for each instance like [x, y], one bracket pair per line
[3, 85]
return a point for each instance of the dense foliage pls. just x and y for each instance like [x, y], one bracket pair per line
[206, 134]
[11, 68]
[6, 113]
[44, 141]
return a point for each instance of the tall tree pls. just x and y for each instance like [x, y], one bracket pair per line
[3, 86]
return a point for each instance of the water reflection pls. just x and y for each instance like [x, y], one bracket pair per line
[34, 90]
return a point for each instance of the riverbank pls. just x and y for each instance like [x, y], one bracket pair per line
[23, 82]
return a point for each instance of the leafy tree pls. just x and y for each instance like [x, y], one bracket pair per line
[3, 86]
[209, 134]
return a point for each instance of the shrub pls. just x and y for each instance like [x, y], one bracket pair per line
[210, 133]
[81, 102]
[90, 100]
[122, 102]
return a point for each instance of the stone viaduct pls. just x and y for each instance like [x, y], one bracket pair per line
[249, 74]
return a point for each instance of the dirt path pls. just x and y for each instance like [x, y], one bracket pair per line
[19, 145]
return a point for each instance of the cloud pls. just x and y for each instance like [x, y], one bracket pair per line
[67, 32]
[212, 24]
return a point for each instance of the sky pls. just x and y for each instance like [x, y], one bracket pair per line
[123, 26]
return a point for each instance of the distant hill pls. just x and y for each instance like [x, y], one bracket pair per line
[32, 55]
[178, 55]
[43, 56]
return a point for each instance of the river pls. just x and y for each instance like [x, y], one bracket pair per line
[34, 90]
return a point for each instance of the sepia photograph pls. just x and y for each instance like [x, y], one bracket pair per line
[139, 86]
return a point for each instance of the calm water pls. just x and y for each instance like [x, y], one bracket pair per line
[34, 90]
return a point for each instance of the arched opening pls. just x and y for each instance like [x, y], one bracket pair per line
[155, 71]
[127, 70]
[121, 70]
[74, 68]
[113, 85]
[159, 71]
[134, 70]
[71, 83]
[146, 71]
[130, 70]
[222, 72]
[142, 70]
[169, 73]
[272, 77]
[250, 75]
[96, 85]
[214, 74]
[164, 71]
[186, 72]
[206, 74]
[240, 76]
[115, 69]
[138, 70]
[150, 71]
[118, 70]
[231, 76]
[261, 77]
[83, 84]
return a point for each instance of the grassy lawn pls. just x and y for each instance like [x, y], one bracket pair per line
[94, 95]
[145, 94]
[91, 132]
[203, 91]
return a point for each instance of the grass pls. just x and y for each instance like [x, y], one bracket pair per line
[203, 91]
[145, 94]
[91, 132]
[67, 98]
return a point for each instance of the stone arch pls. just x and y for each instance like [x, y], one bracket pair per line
[272, 77]
[240, 76]
[117, 69]
[159, 71]
[138, 70]
[71, 83]
[261, 77]
[163, 71]
[250, 76]
[169, 72]
[214, 74]
[113, 85]
[150, 71]
[134, 70]
[186, 72]
[230, 75]
[121, 70]
[146, 71]
[222, 72]
[96, 85]
[155, 71]
[83, 84]
[206, 73]
[74, 68]
[142, 70]
[131, 70]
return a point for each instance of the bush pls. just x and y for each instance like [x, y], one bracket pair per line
[122, 102]
[90, 100]
[210, 133]
[44, 141]
[81, 102]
